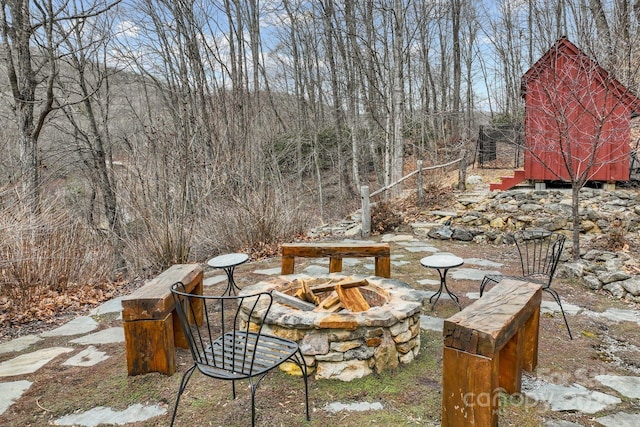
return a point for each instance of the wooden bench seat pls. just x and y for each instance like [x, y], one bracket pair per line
[336, 251]
[486, 346]
[151, 329]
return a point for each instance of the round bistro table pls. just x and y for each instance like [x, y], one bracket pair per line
[442, 263]
[228, 263]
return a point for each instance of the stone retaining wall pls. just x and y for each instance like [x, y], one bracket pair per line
[497, 212]
[490, 219]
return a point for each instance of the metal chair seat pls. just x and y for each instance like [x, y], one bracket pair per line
[227, 357]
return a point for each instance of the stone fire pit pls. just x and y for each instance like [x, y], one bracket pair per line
[345, 345]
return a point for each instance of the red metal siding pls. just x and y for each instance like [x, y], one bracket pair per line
[572, 109]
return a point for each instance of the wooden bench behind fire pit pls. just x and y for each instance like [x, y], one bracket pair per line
[151, 330]
[336, 251]
[486, 346]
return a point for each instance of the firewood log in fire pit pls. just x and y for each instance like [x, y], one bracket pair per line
[309, 295]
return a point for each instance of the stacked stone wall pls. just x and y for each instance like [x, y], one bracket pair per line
[551, 210]
[491, 219]
[346, 354]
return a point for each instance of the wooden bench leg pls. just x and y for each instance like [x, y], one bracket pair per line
[383, 267]
[469, 389]
[335, 264]
[150, 346]
[531, 333]
[510, 360]
[287, 264]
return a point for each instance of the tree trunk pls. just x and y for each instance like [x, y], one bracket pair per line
[575, 214]
[397, 160]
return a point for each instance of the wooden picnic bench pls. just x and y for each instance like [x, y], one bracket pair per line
[336, 251]
[151, 328]
[486, 346]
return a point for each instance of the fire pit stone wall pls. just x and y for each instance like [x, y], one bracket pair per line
[346, 345]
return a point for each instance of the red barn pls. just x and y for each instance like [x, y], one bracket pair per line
[577, 119]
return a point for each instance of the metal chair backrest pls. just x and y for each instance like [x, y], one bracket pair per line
[225, 344]
[540, 252]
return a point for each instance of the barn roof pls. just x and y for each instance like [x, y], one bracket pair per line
[563, 45]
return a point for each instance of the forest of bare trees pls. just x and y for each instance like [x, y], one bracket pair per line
[137, 134]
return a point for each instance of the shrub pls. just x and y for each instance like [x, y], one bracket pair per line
[46, 254]
[384, 218]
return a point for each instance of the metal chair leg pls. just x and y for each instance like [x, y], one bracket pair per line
[183, 384]
[556, 297]
[253, 404]
[299, 360]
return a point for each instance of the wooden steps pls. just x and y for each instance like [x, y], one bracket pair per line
[507, 182]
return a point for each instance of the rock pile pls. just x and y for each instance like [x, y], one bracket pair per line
[616, 273]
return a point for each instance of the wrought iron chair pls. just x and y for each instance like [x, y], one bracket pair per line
[227, 346]
[539, 252]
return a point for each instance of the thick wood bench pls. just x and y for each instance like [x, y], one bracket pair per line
[151, 329]
[336, 251]
[486, 346]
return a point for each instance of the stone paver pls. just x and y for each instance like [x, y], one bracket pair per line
[78, 326]
[619, 315]
[315, 270]
[19, 344]
[417, 249]
[461, 273]
[482, 262]
[101, 415]
[111, 306]
[106, 336]
[388, 238]
[561, 423]
[620, 419]
[214, 280]
[12, 391]
[88, 357]
[269, 271]
[553, 307]
[30, 362]
[430, 323]
[473, 295]
[353, 407]
[569, 398]
[429, 282]
[625, 385]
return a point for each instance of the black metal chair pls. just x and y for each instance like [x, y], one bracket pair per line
[539, 252]
[226, 346]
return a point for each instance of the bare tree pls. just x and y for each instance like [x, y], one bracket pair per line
[85, 85]
[398, 96]
[32, 32]
[577, 114]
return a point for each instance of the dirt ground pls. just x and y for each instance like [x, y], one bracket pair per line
[410, 394]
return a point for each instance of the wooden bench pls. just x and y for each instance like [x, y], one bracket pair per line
[151, 329]
[336, 251]
[486, 346]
